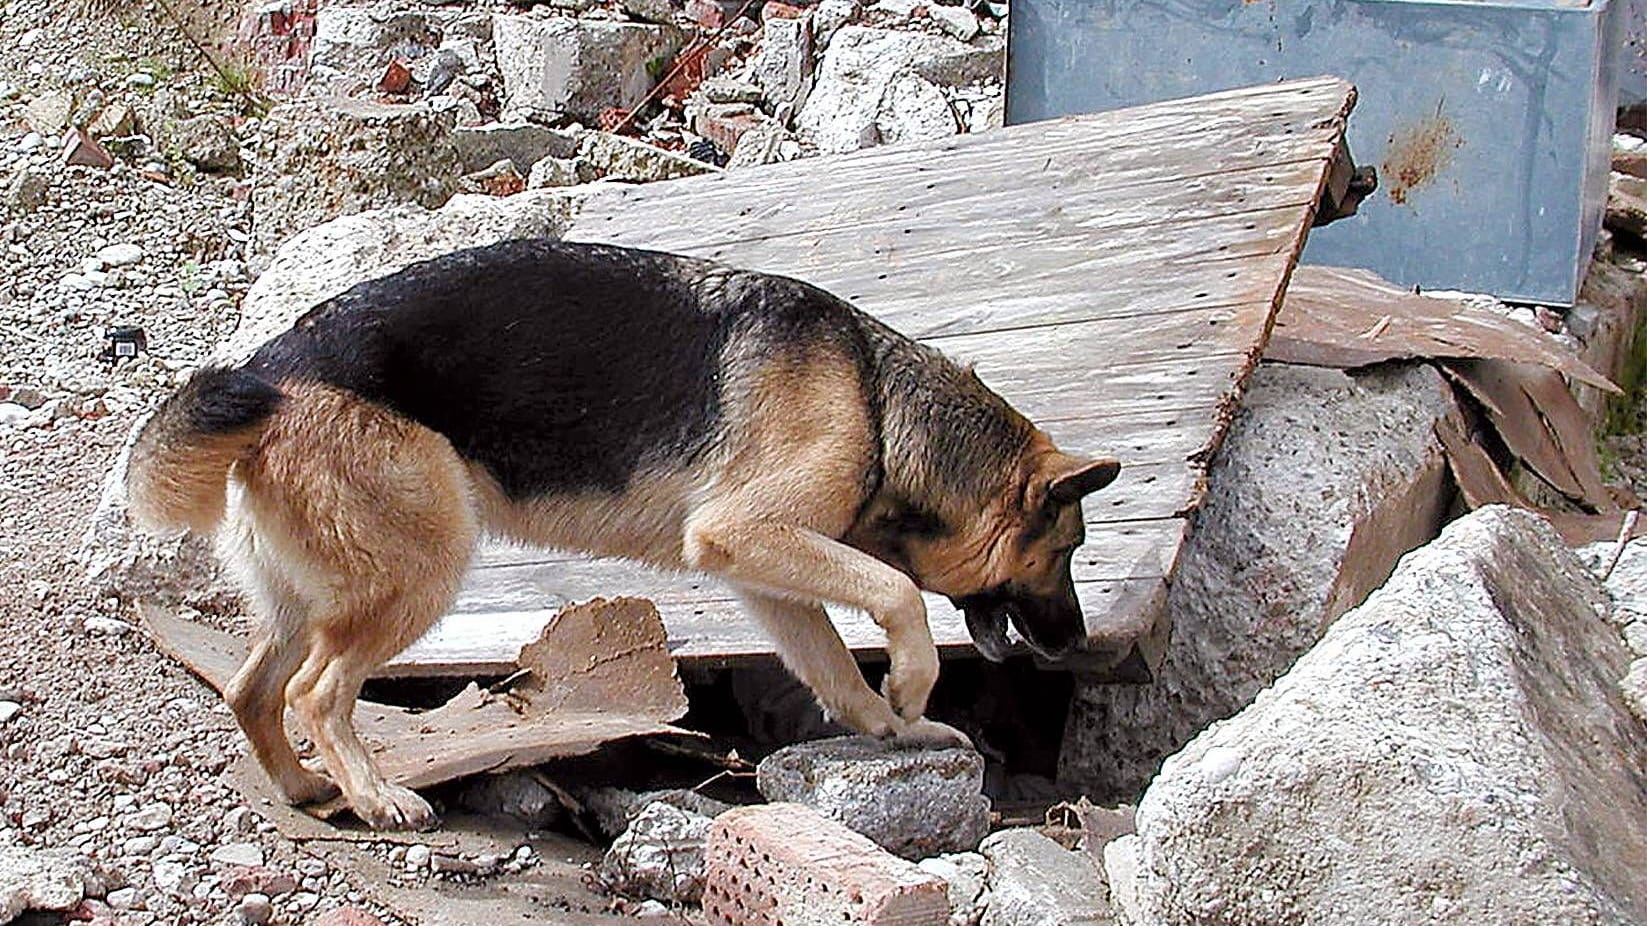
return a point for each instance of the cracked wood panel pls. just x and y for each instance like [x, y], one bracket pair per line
[1114, 276]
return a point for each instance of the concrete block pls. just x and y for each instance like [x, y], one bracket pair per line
[912, 801]
[784, 865]
[1324, 480]
[579, 67]
[1034, 881]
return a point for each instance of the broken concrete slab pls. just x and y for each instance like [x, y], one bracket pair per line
[353, 44]
[784, 863]
[579, 67]
[783, 65]
[660, 855]
[1324, 481]
[524, 143]
[967, 876]
[320, 159]
[849, 106]
[912, 801]
[1454, 750]
[598, 673]
[42, 880]
[617, 157]
[1034, 881]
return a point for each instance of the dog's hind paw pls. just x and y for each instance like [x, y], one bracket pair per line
[308, 787]
[393, 807]
[930, 733]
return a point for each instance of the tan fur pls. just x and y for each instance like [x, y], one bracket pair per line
[179, 481]
[352, 528]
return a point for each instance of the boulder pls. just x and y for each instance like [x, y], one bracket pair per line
[324, 158]
[912, 801]
[312, 267]
[579, 67]
[1324, 480]
[524, 143]
[853, 103]
[1454, 750]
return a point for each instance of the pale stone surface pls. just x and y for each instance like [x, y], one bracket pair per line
[1034, 881]
[853, 101]
[912, 801]
[39, 879]
[320, 159]
[579, 67]
[660, 856]
[1454, 750]
[1311, 455]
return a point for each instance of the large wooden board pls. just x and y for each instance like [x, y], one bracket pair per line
[1115, 276]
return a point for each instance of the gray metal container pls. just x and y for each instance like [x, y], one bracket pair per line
[1490, 122]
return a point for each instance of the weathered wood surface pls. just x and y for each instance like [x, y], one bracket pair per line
[1115, 276]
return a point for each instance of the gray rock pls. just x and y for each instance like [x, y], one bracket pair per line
[1319, 469]
[766, 143]
[1634, 688]
[208, 142]
[1452, 751]
[845, 109]
[914, 109]
[955, 20]
[1635, 637]
[320, 159]
[829, 16]
[564, 66]
[661, 12]
[9, 710]
[255, 909]
[313, 266]
[245, 854]
[556, 172]
[1034, 881]
[524, 143]
[120, 255]
[660, 855]
[616, 157]
[518, 795]
[612, 809]
[40, 879]
[967, 877]
[784, 64]
[26, 190]
[724, 89]
[912, 801]
[48, 114]
[353, 44]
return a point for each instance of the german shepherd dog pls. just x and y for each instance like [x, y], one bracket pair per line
[621, 403]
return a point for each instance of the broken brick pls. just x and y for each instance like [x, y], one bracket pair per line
[396, 79]
[724, 129]
[771, 864]
[79, 148]
[240, 880]
[777, 9]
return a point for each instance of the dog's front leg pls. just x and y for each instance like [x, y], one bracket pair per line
[778, 561]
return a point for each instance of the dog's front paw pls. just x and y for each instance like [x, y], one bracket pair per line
[307, 786]
[908, 683]
[393, 807]
[926, 732]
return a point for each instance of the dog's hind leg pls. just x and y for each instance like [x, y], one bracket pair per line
[257, 693]
[371, 516]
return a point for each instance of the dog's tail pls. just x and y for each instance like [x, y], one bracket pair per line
[179, 468]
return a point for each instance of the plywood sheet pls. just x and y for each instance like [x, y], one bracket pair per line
[1114, 276]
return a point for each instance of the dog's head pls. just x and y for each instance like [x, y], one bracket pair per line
[1011, 562]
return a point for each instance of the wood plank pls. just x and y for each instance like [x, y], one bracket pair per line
[1113, 276]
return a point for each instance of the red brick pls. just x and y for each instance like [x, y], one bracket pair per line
[775, 864]
[79, 148]
[725, 130]
[777, 9]
[397, 78]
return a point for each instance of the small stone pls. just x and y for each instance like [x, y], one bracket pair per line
[255, 909]
[966, 873]
[141, 79]
[912, 801]
[96, 623]
[417, 857]
[79, 149]
[209, 143]
[173, 875]
[8, 710]
[237, 882]
[1635, 637]
[660, 855]
[244, 854]
[1034, 881]
[955, 20]
[151, 818]
[48, 113]
[348, 916]
[124, 898]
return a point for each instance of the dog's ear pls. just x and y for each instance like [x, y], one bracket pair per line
[1070, 479]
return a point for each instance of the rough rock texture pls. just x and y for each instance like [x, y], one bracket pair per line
[870, 77]
[783, 65]
[1318, 465]
[524, 143]
[208, 142]
[324, 158]
[660, 855]
[1034, 881]
[42, 880]
[1627, 588]
[312, 267]
[555, 67]
[615, 157]
[913, 802]
[1453, 751]
[967, 875]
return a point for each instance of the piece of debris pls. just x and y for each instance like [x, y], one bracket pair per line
[500, 179]
[41, 879]
[783, 863]
[396, 78]
[81, 149]
[912, 801]
[599, 672]
[660, 855]
[1033, 881]
[967, 875]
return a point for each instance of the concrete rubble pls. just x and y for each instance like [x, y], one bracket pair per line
[1354, 477]
[42, 880]
[1455, 750]
[913, 802]
[555, 67]
[1034, 881]
[660, 855]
